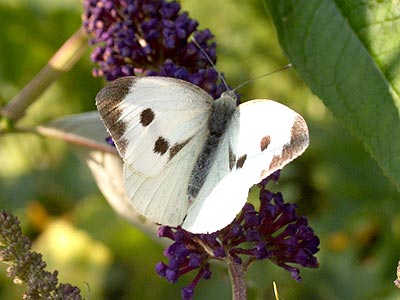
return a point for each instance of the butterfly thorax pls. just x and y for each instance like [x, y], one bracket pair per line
[222, 111]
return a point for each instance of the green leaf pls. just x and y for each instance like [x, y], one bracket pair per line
[348, 53]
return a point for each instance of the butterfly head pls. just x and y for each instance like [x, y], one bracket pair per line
[228, 98]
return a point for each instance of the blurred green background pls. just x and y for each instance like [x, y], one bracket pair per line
[351, 205]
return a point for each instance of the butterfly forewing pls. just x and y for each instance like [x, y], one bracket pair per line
[152, 118]
[264, 136]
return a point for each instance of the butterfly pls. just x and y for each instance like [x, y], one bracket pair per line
[190, 160]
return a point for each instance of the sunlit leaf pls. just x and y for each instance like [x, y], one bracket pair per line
[348, 52]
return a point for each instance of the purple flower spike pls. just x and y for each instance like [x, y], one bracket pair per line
[149, 38]
[273, 232]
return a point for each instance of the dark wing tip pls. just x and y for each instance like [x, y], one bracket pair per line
[115, 91]
[107, 102]
[300, 136]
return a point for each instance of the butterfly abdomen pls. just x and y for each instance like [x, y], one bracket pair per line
[222, 112]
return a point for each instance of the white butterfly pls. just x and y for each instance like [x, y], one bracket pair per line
[190, 160]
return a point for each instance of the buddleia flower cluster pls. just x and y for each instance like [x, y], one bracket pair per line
[27, 266]
[273, 231]
[149, 37]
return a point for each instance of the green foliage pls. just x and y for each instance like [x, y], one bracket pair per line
[348, 54]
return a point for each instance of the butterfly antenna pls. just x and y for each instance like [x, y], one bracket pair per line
[288, 66]
[211, 63]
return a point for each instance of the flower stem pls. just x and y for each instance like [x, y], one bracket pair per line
[66, 57]
[74, 139]
[237, 275]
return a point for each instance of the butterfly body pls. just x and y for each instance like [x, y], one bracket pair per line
[190, 160]
[222, 111]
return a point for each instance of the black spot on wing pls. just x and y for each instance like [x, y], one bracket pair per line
[176, 148]
[240, 162]
[265, 141]
[161, 146]
[146, 117]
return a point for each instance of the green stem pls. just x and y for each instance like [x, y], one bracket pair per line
[238, 281]
[60, 63]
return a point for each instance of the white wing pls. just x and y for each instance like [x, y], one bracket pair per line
[152, 118]
[159, 126]
[164, 198]
[264, 136]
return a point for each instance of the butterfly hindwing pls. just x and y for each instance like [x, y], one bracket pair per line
[270, 134]
[152, 118]
[210, 212]
[264, 136]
